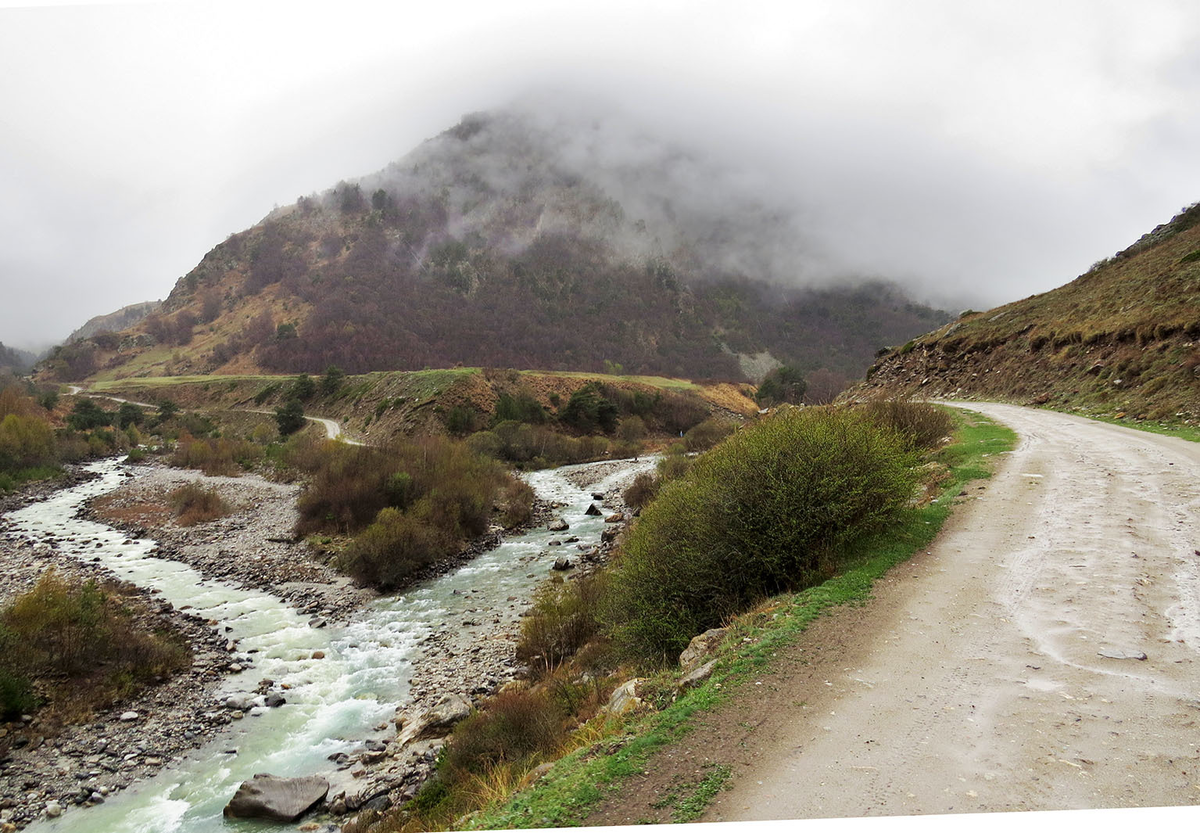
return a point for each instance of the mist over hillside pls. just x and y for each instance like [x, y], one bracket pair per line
[531, 236]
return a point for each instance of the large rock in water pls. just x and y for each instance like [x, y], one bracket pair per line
[276, 799]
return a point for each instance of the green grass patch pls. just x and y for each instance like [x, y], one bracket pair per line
[578, 782]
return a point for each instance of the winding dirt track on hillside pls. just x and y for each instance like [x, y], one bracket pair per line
[981, 677]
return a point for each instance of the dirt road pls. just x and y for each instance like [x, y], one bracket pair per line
[999, 671]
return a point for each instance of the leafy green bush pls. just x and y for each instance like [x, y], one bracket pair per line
[767, 510]
[87, 414]
[589, 410]
[392, 548]
[707, 434]
[289, 417]
[783, 384]
[519, 407]
[16, 695]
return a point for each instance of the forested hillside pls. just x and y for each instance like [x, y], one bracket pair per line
[514, 241]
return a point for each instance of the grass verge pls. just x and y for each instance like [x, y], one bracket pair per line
[581, 780]
[1191, 433]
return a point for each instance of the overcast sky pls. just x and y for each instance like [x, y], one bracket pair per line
[980, 151]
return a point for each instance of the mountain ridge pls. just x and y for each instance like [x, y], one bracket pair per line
[513, 240]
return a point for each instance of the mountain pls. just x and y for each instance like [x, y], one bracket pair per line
[519, 239]
[15, 360]
[1122, 339]
[122, 319]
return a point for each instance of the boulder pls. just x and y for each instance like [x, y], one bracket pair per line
[274, 700]
[558, 525]
[700, 647]
[562, 564]
[627, 697]
[593, 510]
[614, 518]
[276, 799]
[239, 702]
[609, 535]
[436, 721]
[697, 677]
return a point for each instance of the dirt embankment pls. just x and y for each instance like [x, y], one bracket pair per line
[1001, 670]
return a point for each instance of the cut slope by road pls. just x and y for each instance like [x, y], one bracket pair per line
[1001, 670]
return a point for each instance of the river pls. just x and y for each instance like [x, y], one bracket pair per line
[333, 703]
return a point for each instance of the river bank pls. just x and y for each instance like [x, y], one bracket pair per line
[466, 651]
[46, 766]
[463, 661]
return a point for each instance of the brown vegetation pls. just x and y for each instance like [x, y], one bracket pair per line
[193, 503]
[1120, 339]
[77, 647]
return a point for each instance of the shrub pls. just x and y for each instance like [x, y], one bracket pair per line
[412, 502]
[129, 414]
[519, 407]
[512, 726]
[16, 695]
[674, 464]
[783, 384]
[589, 410]
[517, 501]
[564, 618]
[67, 628]
[302, 388]
[641, 491]
[289, 417]
[266, 393]
[922, 425]
[87, 414]
[193, 504]
[214, 456]
[392, 548]
[767, 510]
[707, 434]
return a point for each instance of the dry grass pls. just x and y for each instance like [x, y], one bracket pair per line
[1119, 339]
[194, 504]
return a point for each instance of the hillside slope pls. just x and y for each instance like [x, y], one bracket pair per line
[1120, 339]
[122, 319]
[516, 240]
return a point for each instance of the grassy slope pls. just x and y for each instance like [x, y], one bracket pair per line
[388, 402]
[1121, 339]
[580, 781]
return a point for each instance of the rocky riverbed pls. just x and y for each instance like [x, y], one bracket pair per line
[252, 547]
[45, 768]
[460, 664]
[463, 659]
